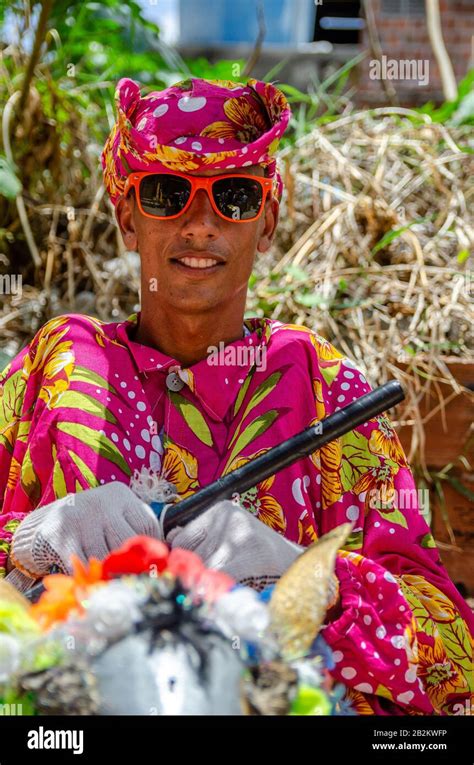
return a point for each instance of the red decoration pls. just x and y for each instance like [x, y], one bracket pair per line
[138, 555]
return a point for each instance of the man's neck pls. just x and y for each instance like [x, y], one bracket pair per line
[187, 338]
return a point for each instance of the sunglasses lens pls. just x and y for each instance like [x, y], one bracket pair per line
[238, 198]
[164, 195]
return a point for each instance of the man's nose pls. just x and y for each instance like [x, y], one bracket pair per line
[200, 219]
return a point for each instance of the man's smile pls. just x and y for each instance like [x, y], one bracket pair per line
[200, 264]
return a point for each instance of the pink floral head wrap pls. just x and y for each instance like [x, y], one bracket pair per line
[194, 124]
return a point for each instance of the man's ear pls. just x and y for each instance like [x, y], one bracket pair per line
[270, 217]
[125, 219]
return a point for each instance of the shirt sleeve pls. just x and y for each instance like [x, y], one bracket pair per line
[15, 424]
[34, 468]
[402, 634]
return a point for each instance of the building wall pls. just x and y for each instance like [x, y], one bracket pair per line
[406, 37]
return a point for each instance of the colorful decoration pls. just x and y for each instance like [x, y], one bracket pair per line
[152, 631]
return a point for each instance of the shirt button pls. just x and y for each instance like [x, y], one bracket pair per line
[174, 382]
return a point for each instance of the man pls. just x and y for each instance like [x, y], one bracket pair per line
[192, 174]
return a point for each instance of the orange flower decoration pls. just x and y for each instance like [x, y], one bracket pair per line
[64, 594]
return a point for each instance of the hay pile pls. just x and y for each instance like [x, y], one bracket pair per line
[372, 249]
[375, 234]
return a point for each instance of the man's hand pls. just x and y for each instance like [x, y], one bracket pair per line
[231, 539]
[89, 524]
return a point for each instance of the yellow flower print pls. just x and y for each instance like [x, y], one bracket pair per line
[379, 487]
[438, 605]
[319, 399]
[306, 531]
[54, 358]
[174, 159]
[246, 123]
[180, 467]
[385, 442]
[258, 500]
[440, 676]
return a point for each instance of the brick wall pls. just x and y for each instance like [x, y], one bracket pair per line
[407, 38]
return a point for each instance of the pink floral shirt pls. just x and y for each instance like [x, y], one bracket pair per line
[84, 404]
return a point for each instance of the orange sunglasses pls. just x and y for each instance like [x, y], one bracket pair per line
[239, 198]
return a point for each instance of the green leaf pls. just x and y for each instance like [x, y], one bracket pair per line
[193, 417]
[455, 637]
[81, 374]
[261, 392]
[356, 459]
[309, 299]
[428, 541]
[241, 394]
[72, 399]
[462, 256]
[96, 441]
[394, 233]
[424, 621]
[354, 541]
[84, 469]
[30, 482]
[59, 481]
[297, 272]
[251, 432]
[330, 373]
[394, 516]
[10, 185]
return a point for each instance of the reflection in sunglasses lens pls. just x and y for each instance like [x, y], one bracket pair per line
[238, 198]
[164, 195]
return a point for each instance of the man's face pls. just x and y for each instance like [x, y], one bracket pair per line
[201, 233]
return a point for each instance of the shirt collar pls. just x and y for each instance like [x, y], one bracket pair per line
[215, 380]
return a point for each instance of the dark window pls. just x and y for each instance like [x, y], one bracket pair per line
[403, 7]
[338, 22]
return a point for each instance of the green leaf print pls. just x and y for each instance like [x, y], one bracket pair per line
[84, 469]
[29, 480]
[193, 417]
[81, 374]
[12, 525]
[261, 392]
[251, 432]
[243, 390]
[456, 641]
[394, 516]
[11, 402]
[23, 431]
[330, 373]
[99, 443]
[428, 541]
[423, 619]
[355, 459]
[73, 399]
[59, 481]
[354, 541]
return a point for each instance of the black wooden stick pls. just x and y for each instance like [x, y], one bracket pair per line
[308, 441]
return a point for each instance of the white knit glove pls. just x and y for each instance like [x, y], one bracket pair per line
[89, 524]
[231, 539]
